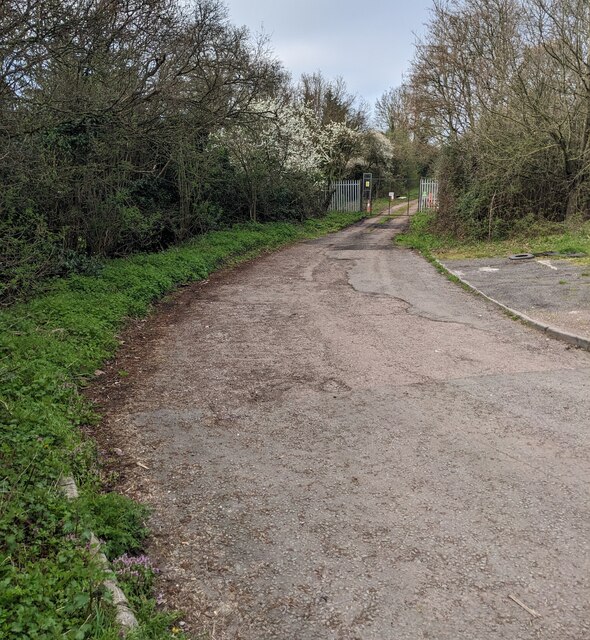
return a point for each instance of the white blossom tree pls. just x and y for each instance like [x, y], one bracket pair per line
[285, 142]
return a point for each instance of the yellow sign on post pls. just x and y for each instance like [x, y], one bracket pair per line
[367, 184]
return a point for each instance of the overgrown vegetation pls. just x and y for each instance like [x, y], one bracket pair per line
[403, 152]
[502, 88]
[134, 125]
[49, 347]
[425, 235]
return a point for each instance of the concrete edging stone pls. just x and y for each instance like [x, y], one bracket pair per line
[123, 613]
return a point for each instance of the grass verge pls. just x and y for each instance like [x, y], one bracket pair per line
[50, 346]
[537, 238]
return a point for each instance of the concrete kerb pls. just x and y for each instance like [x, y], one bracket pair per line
[554, 332]
[123, 614]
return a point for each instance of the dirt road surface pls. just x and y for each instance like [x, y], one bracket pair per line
[338, 443]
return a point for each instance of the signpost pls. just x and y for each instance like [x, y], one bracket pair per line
[367, 185]
[391, 198]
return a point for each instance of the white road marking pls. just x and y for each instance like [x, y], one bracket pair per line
[547, 263]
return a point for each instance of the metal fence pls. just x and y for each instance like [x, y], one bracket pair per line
[428, 194]
[346, 195]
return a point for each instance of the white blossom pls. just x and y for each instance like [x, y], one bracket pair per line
[288, 138]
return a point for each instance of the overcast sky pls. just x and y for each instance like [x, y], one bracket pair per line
[369, 44]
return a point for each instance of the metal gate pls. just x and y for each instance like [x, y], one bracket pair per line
[346, 195]
[428, 194]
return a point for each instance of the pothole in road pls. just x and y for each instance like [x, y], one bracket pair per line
[333, 385]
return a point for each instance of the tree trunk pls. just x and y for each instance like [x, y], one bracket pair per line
[253, 206]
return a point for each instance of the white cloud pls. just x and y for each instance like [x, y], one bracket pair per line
[304, 55]
[368, 45]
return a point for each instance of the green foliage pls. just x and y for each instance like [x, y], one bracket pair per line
[527, 237]
[106, 155]
[490, 192]
[135, 148]
[49, 346]
[506, 152]
[158, 625]
[50, 587]
[421, 234]
[28, 248]
[117, 520]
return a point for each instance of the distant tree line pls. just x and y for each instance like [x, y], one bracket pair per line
[412, 151]
[132, 125]
[502, 87]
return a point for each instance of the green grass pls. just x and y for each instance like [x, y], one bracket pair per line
[50, 586]
[380, 205]
[536, 238]
[394, 214]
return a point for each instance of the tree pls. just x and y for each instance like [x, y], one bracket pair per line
[269, 149]
[412, 149]
[506, 84]
[330, 101]
[106, 107]
[393, 111]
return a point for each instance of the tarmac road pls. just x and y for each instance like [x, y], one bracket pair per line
[338, 443]
[551, 291]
